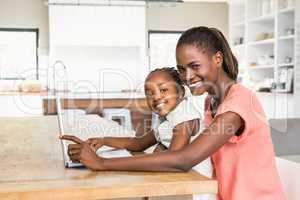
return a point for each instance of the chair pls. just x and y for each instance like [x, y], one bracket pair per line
[120, 114]
[289, 173]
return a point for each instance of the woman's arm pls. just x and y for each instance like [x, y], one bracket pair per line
[222, 128]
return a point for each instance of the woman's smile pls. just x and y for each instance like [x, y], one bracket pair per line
[198, 69]
[196, 84]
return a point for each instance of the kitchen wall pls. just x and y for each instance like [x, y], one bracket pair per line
[34, 13]
[188, 15]
[26, 14]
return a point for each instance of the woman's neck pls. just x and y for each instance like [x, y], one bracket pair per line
[221, 88]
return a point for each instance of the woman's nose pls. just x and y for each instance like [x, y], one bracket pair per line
[189, 75]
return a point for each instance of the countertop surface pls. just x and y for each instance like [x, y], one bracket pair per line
[32, 168]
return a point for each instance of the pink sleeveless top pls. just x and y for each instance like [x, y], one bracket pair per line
[245, 166]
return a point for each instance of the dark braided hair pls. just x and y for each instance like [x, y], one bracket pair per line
[174, 74]
[211, 40]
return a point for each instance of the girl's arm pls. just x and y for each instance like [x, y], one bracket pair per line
[182, 134]
[131, 143]
[222, 128]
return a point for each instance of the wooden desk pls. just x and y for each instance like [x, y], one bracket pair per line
[32, 169]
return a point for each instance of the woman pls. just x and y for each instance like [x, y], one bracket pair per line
[237, 136]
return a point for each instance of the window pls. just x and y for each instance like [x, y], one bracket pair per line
[162, 45]
[18, 54]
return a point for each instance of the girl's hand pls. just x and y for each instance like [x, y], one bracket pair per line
[95, 143]
[159, 148]
[82, 152]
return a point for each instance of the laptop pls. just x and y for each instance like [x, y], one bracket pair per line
[67, 161]
[105, 151]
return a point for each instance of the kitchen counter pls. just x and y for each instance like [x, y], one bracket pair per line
[43, 103]
[94, 103]
[32, 168]
[14, 93]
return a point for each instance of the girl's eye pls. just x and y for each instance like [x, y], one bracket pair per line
[148, 94]
[163, 90]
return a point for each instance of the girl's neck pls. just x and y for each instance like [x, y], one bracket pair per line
[179, 100]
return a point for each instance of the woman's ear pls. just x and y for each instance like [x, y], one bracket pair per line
[218, 58]
[182, 91]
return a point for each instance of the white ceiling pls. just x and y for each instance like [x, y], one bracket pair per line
[208, 1]
[93, 1]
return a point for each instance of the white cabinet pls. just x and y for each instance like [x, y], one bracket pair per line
[263, 37]
[297, 52]
[278, 105]
[268, 104]
[97, 25]
[21, 105]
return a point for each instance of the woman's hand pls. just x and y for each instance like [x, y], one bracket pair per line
[95, 143]
[159, 148]
[82, 152]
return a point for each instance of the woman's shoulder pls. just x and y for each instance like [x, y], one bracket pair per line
[239, 88]
[240, 98]
[240, 93]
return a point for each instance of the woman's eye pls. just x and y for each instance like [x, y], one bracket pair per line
[181, 70]
[195, 66]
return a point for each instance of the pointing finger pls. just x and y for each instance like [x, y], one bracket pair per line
[71, 138]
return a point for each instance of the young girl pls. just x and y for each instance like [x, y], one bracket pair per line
[179, 119]
[237, 135]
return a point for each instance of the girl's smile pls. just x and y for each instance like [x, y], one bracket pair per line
[161, 93]
[160, 105]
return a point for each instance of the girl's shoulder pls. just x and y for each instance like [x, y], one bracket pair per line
[188, 109]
